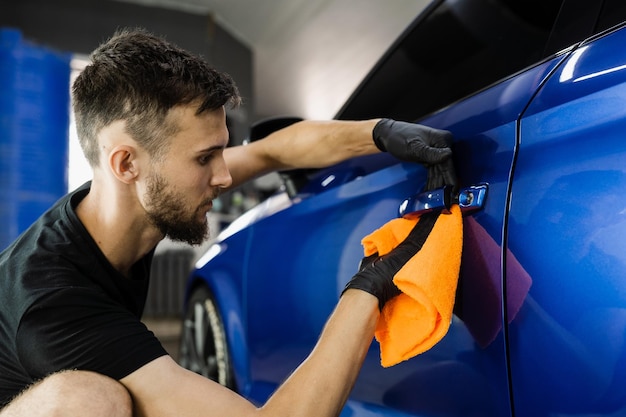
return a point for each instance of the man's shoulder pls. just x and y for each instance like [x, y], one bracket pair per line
[43, 258]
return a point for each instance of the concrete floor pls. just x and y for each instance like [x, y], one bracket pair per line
[167, 330]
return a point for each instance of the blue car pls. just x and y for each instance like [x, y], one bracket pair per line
[535, 95]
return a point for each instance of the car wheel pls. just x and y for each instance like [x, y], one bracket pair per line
[203, 346]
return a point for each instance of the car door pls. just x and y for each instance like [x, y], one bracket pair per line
[566, 231]
[294, 282]
[466, 374]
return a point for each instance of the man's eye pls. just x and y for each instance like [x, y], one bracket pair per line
[203, 160]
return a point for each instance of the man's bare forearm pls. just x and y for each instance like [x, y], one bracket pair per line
[321, 384]
[307, 144]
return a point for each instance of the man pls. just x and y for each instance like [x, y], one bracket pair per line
[151, 121]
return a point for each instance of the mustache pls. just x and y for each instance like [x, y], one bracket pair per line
[216, 193]
[208, 201]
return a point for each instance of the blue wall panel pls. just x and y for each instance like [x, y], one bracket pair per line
[34, 124]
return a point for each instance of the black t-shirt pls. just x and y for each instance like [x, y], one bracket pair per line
[64, 306]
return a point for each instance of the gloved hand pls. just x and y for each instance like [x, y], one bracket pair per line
[376, 273]
[440, 175]
[417, 143]
[413, 142]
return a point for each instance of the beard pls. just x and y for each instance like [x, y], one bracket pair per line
[167, 212]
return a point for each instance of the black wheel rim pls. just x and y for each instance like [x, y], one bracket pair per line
[203, 347]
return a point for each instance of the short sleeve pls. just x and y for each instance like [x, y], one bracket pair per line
[81, 328]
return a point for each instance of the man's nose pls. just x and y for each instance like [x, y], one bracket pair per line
[221, 175]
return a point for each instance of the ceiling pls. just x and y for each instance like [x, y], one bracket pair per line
[309, 55]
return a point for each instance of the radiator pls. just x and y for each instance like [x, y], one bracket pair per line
[170, 270]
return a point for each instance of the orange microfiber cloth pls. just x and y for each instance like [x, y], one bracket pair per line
[417, 319]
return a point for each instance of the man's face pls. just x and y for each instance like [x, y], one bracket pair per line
[181, 187]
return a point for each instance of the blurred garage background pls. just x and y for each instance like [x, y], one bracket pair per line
[289, 57]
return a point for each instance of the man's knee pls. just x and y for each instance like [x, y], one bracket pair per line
[73, 393]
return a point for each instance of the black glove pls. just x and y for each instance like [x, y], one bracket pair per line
[413, 142]
[418, 143]
[376, 273]
[440, 175]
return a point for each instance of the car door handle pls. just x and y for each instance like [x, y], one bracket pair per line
[469, 199]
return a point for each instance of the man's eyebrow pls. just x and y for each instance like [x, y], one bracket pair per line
[212, 149]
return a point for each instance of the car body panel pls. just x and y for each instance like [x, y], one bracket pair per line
[567, 226]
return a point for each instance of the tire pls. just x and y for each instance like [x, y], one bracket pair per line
[203, 347]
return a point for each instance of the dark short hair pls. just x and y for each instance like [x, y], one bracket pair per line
[138, 77]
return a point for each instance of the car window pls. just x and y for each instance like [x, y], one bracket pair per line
[613, 13]
[576, 21]
[454, 49]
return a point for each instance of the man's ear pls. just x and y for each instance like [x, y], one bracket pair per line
[123, 163]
